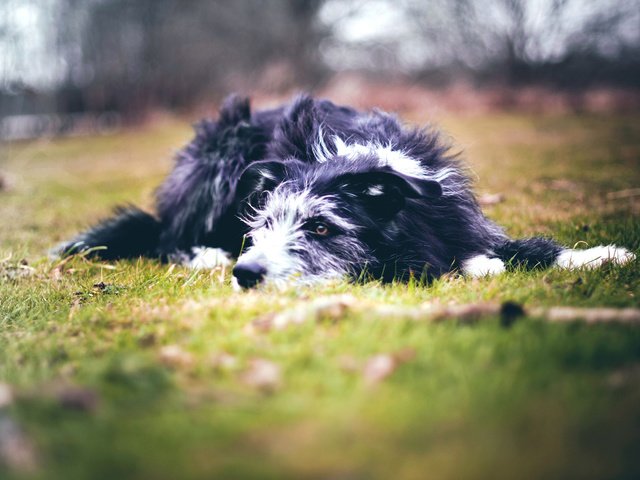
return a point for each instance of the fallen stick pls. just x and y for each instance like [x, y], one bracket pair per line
[335, 308]
[627, 193]
[588, 315]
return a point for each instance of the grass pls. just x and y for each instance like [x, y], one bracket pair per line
[140, 370]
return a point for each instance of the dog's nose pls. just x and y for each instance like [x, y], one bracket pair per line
[249, 274]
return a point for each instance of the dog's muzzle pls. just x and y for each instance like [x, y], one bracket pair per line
[249, 274]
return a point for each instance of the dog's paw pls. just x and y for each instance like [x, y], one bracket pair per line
[594, 257]
[482, 266]
[205, 258]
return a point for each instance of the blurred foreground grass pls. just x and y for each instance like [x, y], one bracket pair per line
[142, 370]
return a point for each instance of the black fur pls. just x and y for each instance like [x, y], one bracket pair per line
[529, 252]
[130, 233]
[422, 225]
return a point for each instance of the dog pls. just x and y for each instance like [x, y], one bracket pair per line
[310, 192]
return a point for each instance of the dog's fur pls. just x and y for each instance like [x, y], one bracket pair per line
[314, 191]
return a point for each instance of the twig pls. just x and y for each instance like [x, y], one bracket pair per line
[337, 307]
[627, 193]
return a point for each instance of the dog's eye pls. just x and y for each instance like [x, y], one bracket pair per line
[321, 229]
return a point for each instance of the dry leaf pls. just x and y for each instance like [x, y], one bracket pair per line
[174, 356]
[405, 355]
[564, 184]
[382, 365]
[16, 450]
[6, 395]
[15, 271]
[263, 375]
[379, 367]
[223, 361]
[490, 199]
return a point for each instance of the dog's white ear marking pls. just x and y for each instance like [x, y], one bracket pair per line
[482, 266]
[265, 173]
[593, 257]
[321, 150]
[205, 258]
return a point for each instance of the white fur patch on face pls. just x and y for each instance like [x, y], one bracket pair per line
[276, 233]
[291, 208]
[273, 248]
[482, 266]
[205, 258]
[279, 238]
[594, 257]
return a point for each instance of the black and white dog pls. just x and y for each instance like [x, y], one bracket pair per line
[313, 191]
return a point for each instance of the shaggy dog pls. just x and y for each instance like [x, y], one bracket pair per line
[313, 191]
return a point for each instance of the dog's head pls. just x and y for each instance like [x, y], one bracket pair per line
[311, 222]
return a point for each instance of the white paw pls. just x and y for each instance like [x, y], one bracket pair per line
[235, 286]
[205, 258]
[594, 257]
[482, 266]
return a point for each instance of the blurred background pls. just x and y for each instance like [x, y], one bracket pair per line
[69, 65]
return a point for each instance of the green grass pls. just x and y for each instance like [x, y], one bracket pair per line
[96, 394]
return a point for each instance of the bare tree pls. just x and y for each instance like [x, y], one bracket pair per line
[503, 40]
[171, 53]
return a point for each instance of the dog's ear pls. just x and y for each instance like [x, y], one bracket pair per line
[294, 135]
[259, 177]
[383, 193]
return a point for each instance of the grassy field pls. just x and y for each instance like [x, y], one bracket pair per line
[149, 371]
